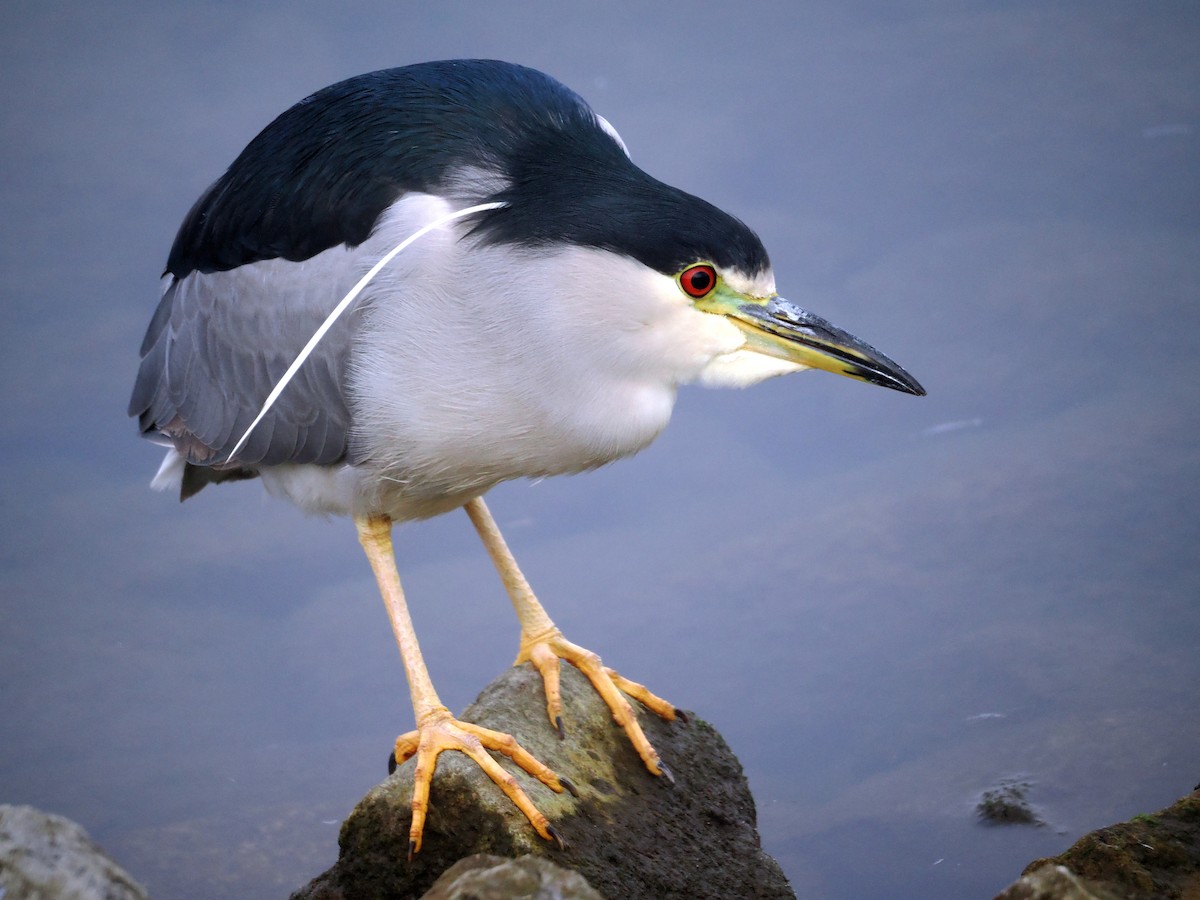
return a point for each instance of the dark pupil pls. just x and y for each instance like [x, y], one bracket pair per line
[700, 280]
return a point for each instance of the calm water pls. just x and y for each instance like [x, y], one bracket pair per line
[886, 604]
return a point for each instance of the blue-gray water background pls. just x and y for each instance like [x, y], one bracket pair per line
[886, 604]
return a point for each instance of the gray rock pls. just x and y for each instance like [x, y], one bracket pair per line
[47, 857]
[629, 833]
[1056, 883]
[484, 877]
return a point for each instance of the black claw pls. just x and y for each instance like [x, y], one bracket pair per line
[666, 773]
[558, 726]
[681, 715]
[570, 787]
[412, 848]
[392, 763]
[562, 845]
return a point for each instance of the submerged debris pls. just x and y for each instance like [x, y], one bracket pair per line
[1008, 804]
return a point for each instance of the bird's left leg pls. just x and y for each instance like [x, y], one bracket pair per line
[543, 644]
[437, 730]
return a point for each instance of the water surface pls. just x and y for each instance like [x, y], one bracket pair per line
[886, 604]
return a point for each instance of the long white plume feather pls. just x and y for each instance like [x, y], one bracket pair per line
[341, 307]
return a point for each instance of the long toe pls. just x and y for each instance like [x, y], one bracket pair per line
[546, 649]
[439, 732]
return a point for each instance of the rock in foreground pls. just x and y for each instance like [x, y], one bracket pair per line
[1153, 857]
[629, 834]
[47, 857]
[485, 877]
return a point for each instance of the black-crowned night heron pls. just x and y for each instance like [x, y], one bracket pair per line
[421, 282]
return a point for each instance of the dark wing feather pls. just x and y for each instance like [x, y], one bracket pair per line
[221, 341]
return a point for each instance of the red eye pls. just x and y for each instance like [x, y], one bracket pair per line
[698, 280]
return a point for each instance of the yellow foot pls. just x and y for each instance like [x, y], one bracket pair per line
[547, 647]
[437, 731]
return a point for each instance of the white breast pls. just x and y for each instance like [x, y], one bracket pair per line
[479, 364]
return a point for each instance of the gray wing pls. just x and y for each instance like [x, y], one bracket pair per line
[220, 341]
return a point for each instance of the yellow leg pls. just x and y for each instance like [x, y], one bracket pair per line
[437, 730]
[543, 644]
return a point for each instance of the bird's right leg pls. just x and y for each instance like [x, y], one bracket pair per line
[437, 730]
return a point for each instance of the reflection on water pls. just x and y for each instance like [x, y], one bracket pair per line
[887, 605]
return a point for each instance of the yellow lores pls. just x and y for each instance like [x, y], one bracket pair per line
[774, 327]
